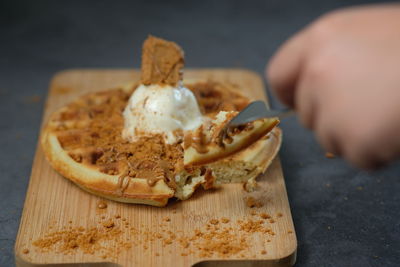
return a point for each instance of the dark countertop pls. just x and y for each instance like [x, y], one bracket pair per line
[343, 216]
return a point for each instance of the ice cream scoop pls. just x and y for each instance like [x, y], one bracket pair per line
[161, 109]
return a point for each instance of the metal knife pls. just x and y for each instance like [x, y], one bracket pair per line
[258, 110]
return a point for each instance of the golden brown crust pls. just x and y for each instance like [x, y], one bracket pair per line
[162, 62]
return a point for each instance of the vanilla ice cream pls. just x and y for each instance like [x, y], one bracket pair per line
[156, 109]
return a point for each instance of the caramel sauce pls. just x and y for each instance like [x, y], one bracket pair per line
[168, 174]
[224, 136]
[123, 182]
[102, 205]
[198, 141]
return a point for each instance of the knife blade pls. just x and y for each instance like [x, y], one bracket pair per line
[258, 110]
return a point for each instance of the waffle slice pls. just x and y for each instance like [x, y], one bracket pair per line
[228, 156]
[208, 145]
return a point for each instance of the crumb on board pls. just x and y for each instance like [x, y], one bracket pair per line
[108, 224]
[225, 220]
[329, 155]
[265, 216]
[251, 202]
[214, 221]
[250, 185]
[215, 239]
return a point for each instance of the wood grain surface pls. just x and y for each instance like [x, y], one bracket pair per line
[54, 203]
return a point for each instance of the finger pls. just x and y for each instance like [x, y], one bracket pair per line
[327, 135]
[284, 68]
[306, 99]
[363, 158]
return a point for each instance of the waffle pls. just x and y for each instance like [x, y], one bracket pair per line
[83, 141]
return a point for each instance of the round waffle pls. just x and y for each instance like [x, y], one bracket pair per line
[83, 142]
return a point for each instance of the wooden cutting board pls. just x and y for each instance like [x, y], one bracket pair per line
[151, 236]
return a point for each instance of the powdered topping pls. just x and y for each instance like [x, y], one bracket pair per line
[218, 237]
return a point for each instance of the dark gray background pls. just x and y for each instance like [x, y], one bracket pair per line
[343, 216]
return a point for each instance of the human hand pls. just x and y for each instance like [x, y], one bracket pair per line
[342, 75]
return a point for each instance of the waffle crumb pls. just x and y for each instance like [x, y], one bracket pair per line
[265, 216]
[225, 220]
[167, 219]
[214, 221]
[263, 252]
[184, 243]
[329, 155]
[25, 251]
[108, 224]
[250, 185]
[33, 99]
[222, 243]
[168, 241]
[251, 202]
